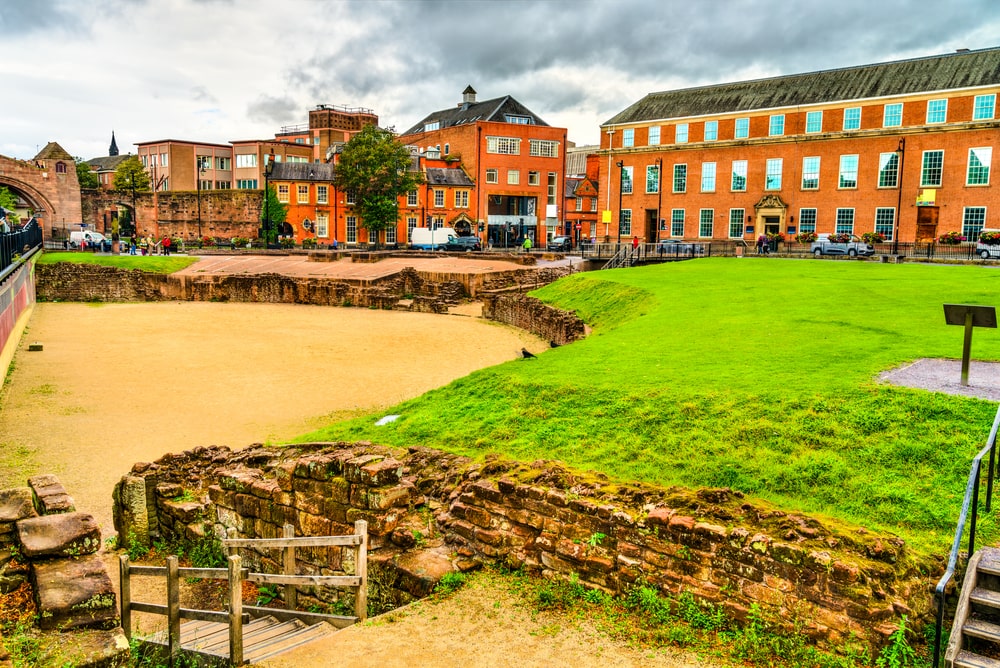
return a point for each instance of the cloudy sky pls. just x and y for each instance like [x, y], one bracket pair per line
[219, 70]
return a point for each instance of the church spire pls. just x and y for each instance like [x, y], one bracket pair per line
[113, 150]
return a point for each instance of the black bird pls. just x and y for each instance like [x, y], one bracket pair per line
[553, 344]
[527, 355]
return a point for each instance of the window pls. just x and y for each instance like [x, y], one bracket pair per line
[931, 168]
[144, 161]
[711, 130]
[461, 199]
[852, 118]
[223, 185]
[652, 179]
[246, 160]
[447, 149]
[625, 222]
[776, 127]
[681, 133]
[626, 175]
[223, 164]
[677, 222]
[412, 198]
[163, 160]
[543, 149]
[983, 107]
[814, 121]
[654, 136]
[593, 204]
[845, 221]
[491, 176]
[937, 111]
[205, 184]
[411, 222]
[283, 192]
[296, 158]
[979, 166]
[848, 171]
[772, 175]
[390, 235]
[736, 217]
[204, 162]
[742, 128]
[438, 198]
[739, 182]
[433, 125]
[810, 173]
[706, 223]
[892, 115]
[885, 217]
[888, 170]
[322, 225]
[517, 120]
[973, 221]
[303, 195]
[352, 229]
[322, 196]
[708, 177]
[513, 177]
[579, 204]
[807, 220]
[552, 187]
[533, 179]
[242, 184]
[680, 178]
[351, 197]
[504, 145]
[628, 137]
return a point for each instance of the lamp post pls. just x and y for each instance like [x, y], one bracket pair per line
[268, 168]
[621, 186]
[659, 195]
[900, 151]
[201, 170]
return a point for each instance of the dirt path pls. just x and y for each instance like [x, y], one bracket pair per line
[123, 383]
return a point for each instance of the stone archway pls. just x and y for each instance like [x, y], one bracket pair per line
[462, 224]
[770, 215]
[48, 183]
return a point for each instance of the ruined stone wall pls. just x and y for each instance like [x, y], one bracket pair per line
[429, 512]
[530, 314]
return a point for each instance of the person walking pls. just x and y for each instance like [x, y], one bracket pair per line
[761, 240]
[166, 245]
[527, 244]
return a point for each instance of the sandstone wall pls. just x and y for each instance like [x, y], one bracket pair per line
[429, 512]
[530, 314]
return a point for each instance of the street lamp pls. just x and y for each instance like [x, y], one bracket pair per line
[659, 195]
[621, 186]
[201, 170]
[899, 199]
[268, 168]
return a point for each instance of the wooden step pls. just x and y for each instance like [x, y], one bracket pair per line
[985, 597]
[260, 652]
[989, 563]
[980, 628]
[966, 659]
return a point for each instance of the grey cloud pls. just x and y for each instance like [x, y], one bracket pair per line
[274, 110]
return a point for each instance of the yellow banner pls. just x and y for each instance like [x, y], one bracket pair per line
[605, 216]
[927, 197]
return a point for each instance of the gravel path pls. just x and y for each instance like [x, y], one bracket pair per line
[939, 375]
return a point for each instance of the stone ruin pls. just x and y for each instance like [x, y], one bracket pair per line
[46, 543]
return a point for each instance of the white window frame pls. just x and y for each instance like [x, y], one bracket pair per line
[679, 176]
[711, 130]
[681, 133]
[888, 170]
[322, 225]
[302, 194]
[807, 219]
[503, 145]
[653, 137]
[937, 111]
[845, 221]
[626, 180]
[625, 222]
[776, 125]
[706, 221]
[810, 174]
[984, 107]
[438, 198]
[928, 171]
[984, 156]
[513, 177]
[461, 199]
[847, 176]
[741, 128]
[892, 115]
[543, 148]
[736, 224]
[708, 176]
[533, 178]
[814, 122]
[739, 170]
[852, 118]
[677, 222]
[652, 179]
[492, 175]
[412, 198]
[772, 174]
[885, 221]
[628, 137]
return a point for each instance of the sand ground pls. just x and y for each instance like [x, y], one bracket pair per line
[117, 384]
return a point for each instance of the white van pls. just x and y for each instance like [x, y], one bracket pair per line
[423, 238]
[987, 251]
[76, 239]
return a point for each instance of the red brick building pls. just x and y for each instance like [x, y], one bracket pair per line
[903, 148]
[514, 158]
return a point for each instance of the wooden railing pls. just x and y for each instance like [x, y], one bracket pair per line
[238, 614]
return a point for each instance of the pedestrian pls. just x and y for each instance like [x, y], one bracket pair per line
[335, 243]
[131, 245]
[635, 243]
[761, 240]
[661, 249]
[527, 244]
[166, 245]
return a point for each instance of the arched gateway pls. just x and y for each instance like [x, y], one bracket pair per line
[46, 187]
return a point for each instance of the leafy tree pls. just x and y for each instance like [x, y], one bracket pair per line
[273, 214]
[131, 174]
[375, 166]
[8, 200]
[84, 175]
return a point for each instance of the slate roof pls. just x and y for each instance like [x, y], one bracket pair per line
[437, 176]
[964, 69]
[107, 162]
[472, 112]
[302, 171]
[571, 184]
[53, 151]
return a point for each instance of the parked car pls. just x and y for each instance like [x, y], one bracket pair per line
[987, 251]
[467, 244]
[561, 244]
[852, 247]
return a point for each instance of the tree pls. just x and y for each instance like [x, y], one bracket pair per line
[8, 200]
[273, 214]
[86, 177]
[376, 167]
[131, 175]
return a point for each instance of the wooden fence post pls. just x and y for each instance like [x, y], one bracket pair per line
[288, 554]
[361, 570]
[173, 609]
[235, 611]
[124, 585]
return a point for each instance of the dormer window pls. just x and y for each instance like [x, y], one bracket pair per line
[517, 120]
[433, 125]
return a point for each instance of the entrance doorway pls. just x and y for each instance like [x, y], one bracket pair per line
[652, 234]
[927, 223]
[772, 225]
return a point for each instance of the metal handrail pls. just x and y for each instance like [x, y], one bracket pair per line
[971, 499]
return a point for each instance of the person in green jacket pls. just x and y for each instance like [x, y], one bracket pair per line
[527, 244]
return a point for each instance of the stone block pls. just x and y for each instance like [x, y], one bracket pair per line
[50, 496]
[16, 504]
[74, 593]
[352, 467]
[62, 535]
[385, 472]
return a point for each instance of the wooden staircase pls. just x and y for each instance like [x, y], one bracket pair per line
[262, 638]
[975, 634]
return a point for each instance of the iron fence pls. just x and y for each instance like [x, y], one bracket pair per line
[17, 244]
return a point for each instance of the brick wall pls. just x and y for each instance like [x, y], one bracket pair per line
[530, 314]
[429, 512]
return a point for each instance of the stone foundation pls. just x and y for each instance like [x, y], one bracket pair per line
[429, 512]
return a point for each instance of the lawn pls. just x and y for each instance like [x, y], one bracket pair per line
[158, 264]
[755, 375]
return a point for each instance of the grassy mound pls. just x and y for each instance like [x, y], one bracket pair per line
[760, 376]
[157, 264]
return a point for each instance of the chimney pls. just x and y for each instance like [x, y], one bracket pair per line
[468, 97]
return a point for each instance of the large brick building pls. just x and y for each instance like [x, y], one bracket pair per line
[514, 158]
[903, 148]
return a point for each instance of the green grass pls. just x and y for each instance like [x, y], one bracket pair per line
[755, 375]
[158, 264]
